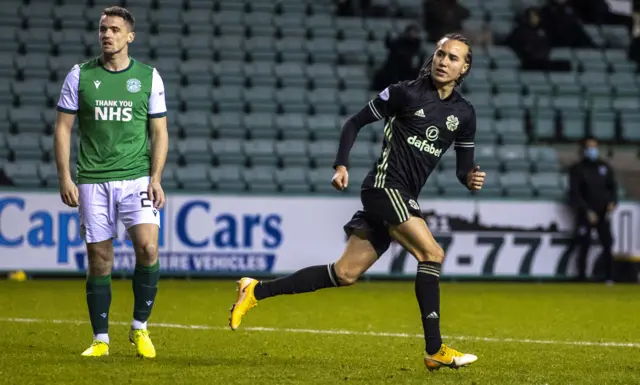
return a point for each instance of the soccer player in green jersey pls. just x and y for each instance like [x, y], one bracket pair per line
[120, 106]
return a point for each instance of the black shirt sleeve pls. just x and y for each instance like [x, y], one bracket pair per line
[386, 104]
[464, 146]
[612, 183]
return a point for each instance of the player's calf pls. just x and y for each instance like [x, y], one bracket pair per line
[98, 294]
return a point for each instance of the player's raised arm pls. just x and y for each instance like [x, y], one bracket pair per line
[386, 104]
[159, 138]
[467, 172]
[65, 117]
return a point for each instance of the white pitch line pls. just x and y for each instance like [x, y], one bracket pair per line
[343, 332]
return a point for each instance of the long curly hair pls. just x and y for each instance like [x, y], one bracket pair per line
[425, 71]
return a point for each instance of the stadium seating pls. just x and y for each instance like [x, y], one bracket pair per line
[257, 92]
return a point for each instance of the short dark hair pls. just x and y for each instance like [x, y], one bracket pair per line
[121, 12]
[583, 142]
[425, 71]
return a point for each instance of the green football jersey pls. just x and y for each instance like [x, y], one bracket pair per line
[113, 111]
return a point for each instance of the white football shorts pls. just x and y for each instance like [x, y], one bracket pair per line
[103, 204]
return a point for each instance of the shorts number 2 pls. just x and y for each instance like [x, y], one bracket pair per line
[145, 201]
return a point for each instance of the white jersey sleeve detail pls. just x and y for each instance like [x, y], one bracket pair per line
[157, 103]
[68, 100]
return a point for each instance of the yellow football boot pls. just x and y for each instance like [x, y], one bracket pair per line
[144, 347]
[97, 349]
[448, 357]
[245, 302]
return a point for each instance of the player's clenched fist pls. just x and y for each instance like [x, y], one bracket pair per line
[69, 193]
[340, 179]
[475, 178]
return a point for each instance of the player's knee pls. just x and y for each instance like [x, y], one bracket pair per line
[346, 276]
[431, 254]
[100, 260]
[147, 253]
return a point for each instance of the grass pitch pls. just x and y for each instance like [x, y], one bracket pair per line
[522, 334]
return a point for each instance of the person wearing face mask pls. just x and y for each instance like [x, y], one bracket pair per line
[593, 197]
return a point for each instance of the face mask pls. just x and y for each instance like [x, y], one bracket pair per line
[591, 153]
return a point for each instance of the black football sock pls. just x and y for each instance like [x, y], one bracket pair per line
[428, 295]
[309, 279]
[145, 287]
[98, 289]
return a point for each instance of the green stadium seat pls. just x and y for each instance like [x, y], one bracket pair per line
[594, 82]
[194, 150]
[322, 50]
[616, 36]
[547, 184]
[193, 177]
[260, 125]
[260, 179]
[356, 176]
[26, 120]
[351, 51]
[260, 74]
[322, 75]
[456, 190]
[33, 67]
[565, 83]
[196, 71]
[293, 152]
[600, 102]
[593, 31]
[353, 100]
[324, 127]
[23, 174]
[195, 124]
[603, 126]
[293, 179]
[514, 158]
[291, 49]
[230, 48]
[360, 155]
[261, 48]
[591, 60]
[624, 84]
[568, 103]
[507, 101]
[573, 127]
[198, 22]
[511, 131]
[227, 178]
[228, 99]
[48, 174]
[320, 180]
[535, 82]
[486, 157]
[198, 47]
[35, 39]
[353, 76]
[292, 126]
[260, 100]
[196, 97]
[291, 75]
[324, 101]
[323, 152]
[229, 6]
[626, 103]
[506, 81]
[544, 158]
[169, 181]
[629, 121]
[504, 57]
[24, 146]
[228, 152]
[229, 125]
[516, 184]
[478, 81]
[292, 100]
[169, 68]
[231, 73]
[260, 152]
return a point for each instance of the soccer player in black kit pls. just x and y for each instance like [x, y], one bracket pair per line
[423, 118]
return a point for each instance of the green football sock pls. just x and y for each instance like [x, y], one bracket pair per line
[98, 290]
[145, 287]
